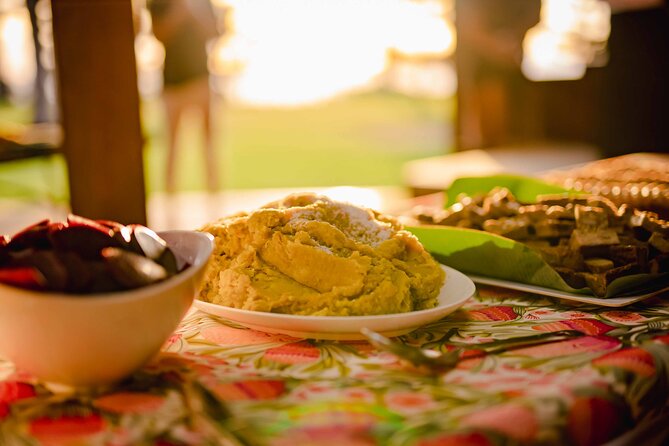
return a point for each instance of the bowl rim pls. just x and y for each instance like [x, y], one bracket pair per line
[132, 294]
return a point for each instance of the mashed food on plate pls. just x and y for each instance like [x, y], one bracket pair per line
[310, 255]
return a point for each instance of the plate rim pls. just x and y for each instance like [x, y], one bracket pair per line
[466, 295]
[613, 302]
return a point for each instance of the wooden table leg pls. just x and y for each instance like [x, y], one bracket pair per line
[97, 79]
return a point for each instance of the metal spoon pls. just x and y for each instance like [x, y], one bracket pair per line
[442, 362]
[419, 357]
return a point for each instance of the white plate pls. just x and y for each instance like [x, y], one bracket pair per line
[609, 302]
[455, 292]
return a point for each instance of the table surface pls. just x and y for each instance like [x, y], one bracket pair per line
[218, 383]
[216, 380]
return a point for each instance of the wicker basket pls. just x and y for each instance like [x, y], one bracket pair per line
[640, 179]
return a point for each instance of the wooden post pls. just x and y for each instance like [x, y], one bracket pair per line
[97, 80]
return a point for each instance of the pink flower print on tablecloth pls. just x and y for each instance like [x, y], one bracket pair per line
[469, 363]
[129, 402]
[591, 327]
[12, 391]
[174, 342]
[329, 391]
[636, 360]
[585, 344]
[327, 435]
[516, 381]
[261, 389]
[205, 366]
[224, 335]
[487, 291]
[460, 439]
[489, 314]
[67, 430]
[594, 421]
[17, 375]
[317, 390]
[332, 424]
[662, 339]
[201, 365]
[358, 395]
[363, 348]
[624, 317]
[511, 419]
[547, 314]
[295, 353]
[408, 403]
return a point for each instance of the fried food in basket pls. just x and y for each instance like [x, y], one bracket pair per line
[588, 240]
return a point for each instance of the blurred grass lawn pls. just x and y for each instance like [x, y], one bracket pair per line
[359, 140]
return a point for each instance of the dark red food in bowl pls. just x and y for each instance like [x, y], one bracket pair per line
[84, 256]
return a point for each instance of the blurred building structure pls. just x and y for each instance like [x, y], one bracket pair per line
[584, 71]
[494, 98]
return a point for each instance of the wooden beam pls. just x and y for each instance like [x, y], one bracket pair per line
[97, 80]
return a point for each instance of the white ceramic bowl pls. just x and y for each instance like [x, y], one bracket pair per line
[98, 339]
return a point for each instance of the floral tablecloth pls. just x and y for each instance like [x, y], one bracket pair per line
[219, 383]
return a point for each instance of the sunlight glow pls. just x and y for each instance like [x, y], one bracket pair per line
[17, 52]
[282, 53]
[422, 30]
[296, 52]
[150, 58]
[569, 37]
[356, 195]
[551, 56]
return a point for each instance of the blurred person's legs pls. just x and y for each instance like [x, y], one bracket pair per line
[491, 104]
[179, 99]
[210, 158]
[173, 110]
